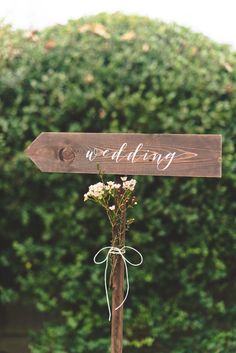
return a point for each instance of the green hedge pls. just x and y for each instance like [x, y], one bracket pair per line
[118, 73]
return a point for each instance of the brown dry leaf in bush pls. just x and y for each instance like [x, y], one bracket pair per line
[100, 30]
[51, 44]
[128, 36]
[85, 28]
[88, 78]
[96, 28]
[228, 67]
[194, 51]
[14, 52]
[146, 47]
[32, 36]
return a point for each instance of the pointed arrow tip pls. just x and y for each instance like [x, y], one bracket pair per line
[27, 151]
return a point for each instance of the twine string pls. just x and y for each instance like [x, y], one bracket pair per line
[113, 250]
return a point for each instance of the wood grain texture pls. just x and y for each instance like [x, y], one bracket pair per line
[128, 154]
[118, 240]
[117, 298]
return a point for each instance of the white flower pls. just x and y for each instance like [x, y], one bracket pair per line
[111, 185]
[98, 187]
[112, 208]
[96, 191]
[124, 178]
[100, 190]
[129, 184]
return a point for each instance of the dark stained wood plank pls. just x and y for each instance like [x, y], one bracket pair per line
[117, 283]
[128, 154]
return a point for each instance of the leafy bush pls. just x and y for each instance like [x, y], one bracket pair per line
[118, 73]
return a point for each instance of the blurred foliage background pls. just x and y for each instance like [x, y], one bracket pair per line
[115, 73]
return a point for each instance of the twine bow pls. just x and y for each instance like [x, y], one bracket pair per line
[112, 250]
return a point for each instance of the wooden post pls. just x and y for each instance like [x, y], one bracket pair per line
[126, 154]
[117, 284]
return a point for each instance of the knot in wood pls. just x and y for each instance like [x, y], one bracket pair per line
[67, 154]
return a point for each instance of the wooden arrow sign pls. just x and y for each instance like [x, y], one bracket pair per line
[128, 154]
